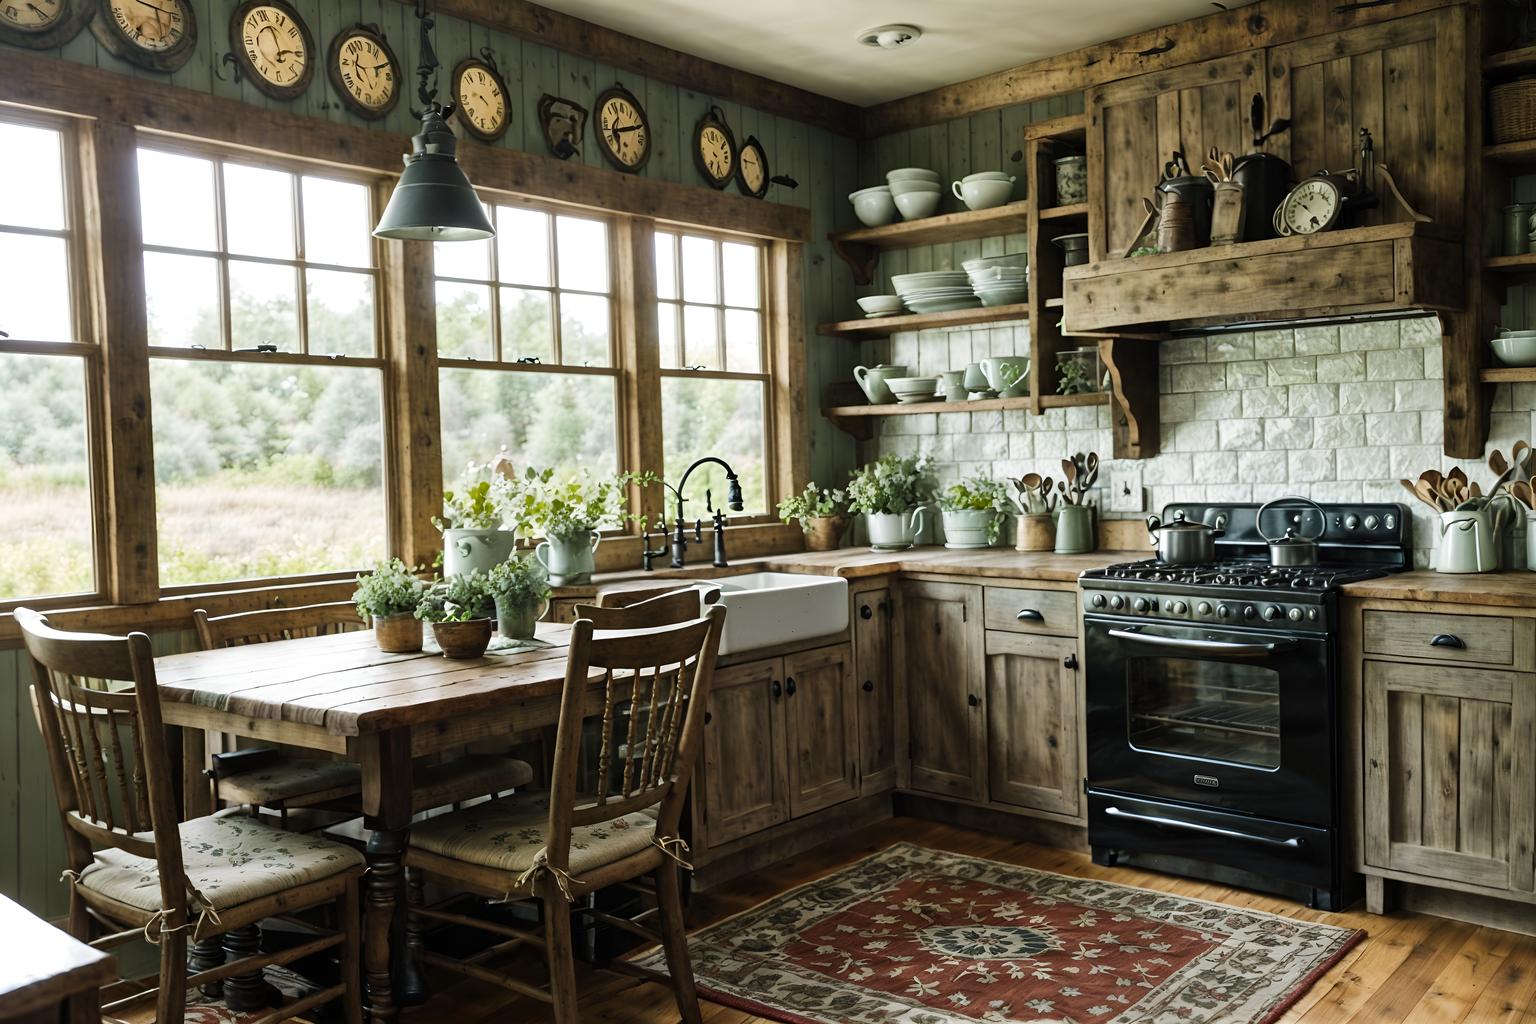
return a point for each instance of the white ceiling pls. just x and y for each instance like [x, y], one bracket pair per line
[812, 43]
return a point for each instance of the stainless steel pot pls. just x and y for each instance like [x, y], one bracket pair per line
[1293, 547]
[1181, 542]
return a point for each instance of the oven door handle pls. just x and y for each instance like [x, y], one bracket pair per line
[1222, 647]
[1293, 843]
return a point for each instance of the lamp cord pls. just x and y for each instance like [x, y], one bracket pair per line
[426, 69]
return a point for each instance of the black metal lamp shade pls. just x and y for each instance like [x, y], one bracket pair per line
[433, 201]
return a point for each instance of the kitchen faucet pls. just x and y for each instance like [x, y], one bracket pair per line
[679, 529]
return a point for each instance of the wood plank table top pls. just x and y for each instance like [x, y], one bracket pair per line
[344, 684]
[44, 966]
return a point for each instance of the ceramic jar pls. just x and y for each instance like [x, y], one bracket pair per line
[519, 620]
[397, 634]
[1517, 228]
[466, 551]
[1071, 180]
[968, 527]
[1074, 530]
[1034, 532]
[569, 560]
[894, 531]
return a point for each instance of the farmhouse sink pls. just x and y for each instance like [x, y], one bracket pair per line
[768, 608]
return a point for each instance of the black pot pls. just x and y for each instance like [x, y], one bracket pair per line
[1266, 180]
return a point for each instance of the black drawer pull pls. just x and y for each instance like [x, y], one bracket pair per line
[1030, 615]
[972, 700]
[1448, 640]
[869, 686]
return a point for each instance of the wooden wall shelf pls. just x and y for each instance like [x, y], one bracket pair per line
[1508, 375]
[1511, 62]
[1517, 153]
[860, 420]
[861, 248]
[1077, 211]
[885, 326]
[1522, 264]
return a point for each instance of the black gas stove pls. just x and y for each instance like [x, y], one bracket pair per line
[1213, 704]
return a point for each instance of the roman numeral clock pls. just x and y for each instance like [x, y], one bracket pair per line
[272, 47]
[43, 24]
[364, 71]
[714, 148]
[623, 131]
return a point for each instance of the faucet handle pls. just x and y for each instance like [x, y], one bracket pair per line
[698, 530]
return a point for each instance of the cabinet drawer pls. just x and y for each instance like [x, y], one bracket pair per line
[1474, 639]
[1053, 612]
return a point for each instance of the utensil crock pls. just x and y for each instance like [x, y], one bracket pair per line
[1034, 532]
[1074, 530]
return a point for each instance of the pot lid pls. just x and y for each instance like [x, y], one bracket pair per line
[1180, 524]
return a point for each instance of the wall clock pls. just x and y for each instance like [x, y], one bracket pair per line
[714, 148]
[156, 34]
[364, 71]
[1313, 206]
[562, 122]
[623, 131]
[481, 98]
[272, 47]
[43, 24]
[752, 174]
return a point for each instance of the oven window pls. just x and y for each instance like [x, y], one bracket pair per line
[1214, 710]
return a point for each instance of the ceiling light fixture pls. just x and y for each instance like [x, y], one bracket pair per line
[891, 37]
[433, 201]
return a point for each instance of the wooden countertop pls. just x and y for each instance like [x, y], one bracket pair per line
[1514, 589]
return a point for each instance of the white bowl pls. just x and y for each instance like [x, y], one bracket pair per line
[912, 385]
[928, 279]
[917, 205]
[988, 176]
[983, 194]
[1516, 348]
[874, 207]
[901, 188]
[911, 173]
[1003, 298]
[880, 304]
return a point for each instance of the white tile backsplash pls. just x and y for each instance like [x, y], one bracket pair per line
[1335, 412]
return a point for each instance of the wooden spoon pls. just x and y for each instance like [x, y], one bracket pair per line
[1522, 493]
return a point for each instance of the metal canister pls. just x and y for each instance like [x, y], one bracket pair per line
[1176, 224]
[1517, 228]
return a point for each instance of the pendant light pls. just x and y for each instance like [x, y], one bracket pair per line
[433, 201]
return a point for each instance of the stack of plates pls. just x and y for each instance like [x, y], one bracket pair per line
[935, 291]
[999, 280]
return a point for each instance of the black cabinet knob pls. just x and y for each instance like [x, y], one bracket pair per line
[1070, 661]
[708, 717]
[777, 689]
[973, 700]
[789, 686]
[869, 686]
[866, 612]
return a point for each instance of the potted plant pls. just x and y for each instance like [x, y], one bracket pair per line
[388, 597]
[569, 513]
[520, 587]
[476, 535]
[890, 493]
[820, 514]
[460, 609]
[973, 512]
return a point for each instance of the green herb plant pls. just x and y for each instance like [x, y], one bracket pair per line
[520, 580]
[1075, 378]
[461, 598]
[577, 505]
[390, 589]
[815, 502]
[979, 494]
[891, 484]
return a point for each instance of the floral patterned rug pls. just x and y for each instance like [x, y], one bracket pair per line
[918, 936]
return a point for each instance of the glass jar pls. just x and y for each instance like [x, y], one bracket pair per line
[1079, 371]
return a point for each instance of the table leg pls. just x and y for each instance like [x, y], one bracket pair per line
[392, 980]
[196, 795]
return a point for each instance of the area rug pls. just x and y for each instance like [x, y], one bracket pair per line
[918, 936]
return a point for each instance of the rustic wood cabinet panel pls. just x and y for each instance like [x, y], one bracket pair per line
[1052, 612]
[1450, 774]
[820, 704]
[872, 633]
[1033, 722]
[1470, 639]
[746, 764]
[1135, 124]
[943, 670]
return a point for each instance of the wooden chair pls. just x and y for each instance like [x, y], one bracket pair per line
[267, 777]
[135, 869]
[616, 610]
[568, 846]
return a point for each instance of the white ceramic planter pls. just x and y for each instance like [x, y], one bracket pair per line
[569, 560]
[968, 528]
[894, 531]
[476, 550]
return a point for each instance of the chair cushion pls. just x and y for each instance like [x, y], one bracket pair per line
[510, 835]
[228, 860]
[289, 778]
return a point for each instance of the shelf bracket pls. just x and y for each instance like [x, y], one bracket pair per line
[1134, 415]
[861, 259]
[862, 428]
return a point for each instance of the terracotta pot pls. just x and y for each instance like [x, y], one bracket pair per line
[1035, 532]
[463, 640]
[824, 533]
[397, 634]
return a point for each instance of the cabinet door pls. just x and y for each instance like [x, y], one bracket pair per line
[1450, 773]
[1033, 722]
[823, 728]
[1135, 124]
[877, 690]
[942, 670]
[746, 770]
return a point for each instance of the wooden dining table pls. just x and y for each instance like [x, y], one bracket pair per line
[343, 695]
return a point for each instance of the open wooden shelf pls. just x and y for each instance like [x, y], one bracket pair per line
[1508, 375]
[1522, 152]
[1511, 61]
[885, 326]
[1068, 126]
[861, 248]
[1056, 303]
[1077, 211]
[860, 420]
[1525, 263]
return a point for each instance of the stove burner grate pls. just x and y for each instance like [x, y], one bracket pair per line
[1239, 573]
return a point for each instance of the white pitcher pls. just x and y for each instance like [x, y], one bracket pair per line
[569, 560]
[894, 531]
[1471, 539]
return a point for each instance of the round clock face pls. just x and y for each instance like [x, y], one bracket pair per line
[1311, 206]
[753, 174]
[157, 34]
[36, 16]
[715, 152]
[274, 46]
[481, 99]
[623, 130]
[42, 24]
[364, 71]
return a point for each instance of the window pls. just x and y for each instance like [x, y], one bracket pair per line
[714, 388]
[265, 378]
[525, 342]
[47, 536]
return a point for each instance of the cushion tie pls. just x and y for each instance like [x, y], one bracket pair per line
[674, 847]
[538, 869]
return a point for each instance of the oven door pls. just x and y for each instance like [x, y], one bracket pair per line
[1234, 718]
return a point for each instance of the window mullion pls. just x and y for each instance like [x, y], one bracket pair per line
[301, 279]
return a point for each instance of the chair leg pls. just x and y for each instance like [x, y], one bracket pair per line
[674, 939]
[171, 1000]
[351, 914]
[205, 956]
[246, 992]
[561, 953]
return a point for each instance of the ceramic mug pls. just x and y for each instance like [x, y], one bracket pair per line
[975, 380]
[1074, 530]
[1008, 377]
[952, 383]
[872, 379]
[569, 560]
[894, 531]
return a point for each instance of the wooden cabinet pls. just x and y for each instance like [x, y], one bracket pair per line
[876, 699]
[819, 703]
[943, 680]
[1033, 722]
[1449, 783]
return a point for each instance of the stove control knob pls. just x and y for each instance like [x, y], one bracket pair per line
[1371, 522]
[1097, 600]
[1272, 612]
[1178, 607]
[1141, 604]
[1204, 608]
[1295, 614]
[1351, 522]
[1117, 602]
[1390, 522]
[1249, 611]
[1224, 611]
[1312, 614]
